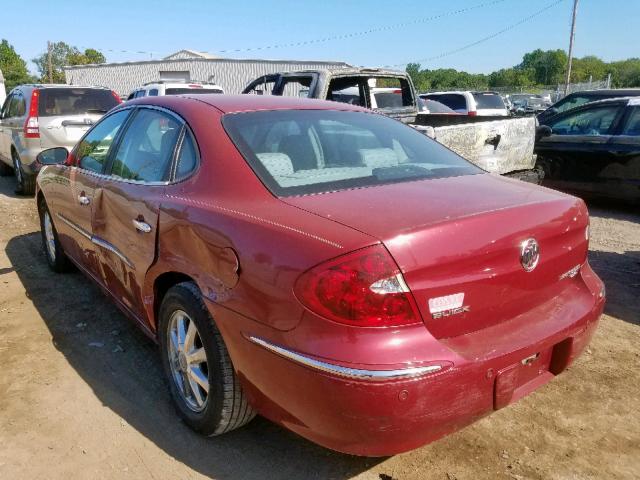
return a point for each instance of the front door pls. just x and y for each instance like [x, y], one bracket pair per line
[126, 217]
[73, 202]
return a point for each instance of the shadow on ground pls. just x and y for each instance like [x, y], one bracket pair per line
[123, 369]
[616, 270]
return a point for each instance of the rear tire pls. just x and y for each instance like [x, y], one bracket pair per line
[197, 357]
[56, 258]
[5, 170]
[25, 183]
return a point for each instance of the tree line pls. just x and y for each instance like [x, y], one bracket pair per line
[538, 68]
[15, 72]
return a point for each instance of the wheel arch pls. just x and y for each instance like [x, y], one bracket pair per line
[161, 285]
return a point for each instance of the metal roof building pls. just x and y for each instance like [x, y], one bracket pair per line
[185, 65]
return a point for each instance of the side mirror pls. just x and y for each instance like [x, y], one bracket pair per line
[543, 131]
[52, 156]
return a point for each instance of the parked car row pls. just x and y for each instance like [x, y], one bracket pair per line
[345, 267]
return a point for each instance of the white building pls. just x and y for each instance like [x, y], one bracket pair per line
[186, 65]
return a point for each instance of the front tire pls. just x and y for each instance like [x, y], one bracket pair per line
[25, 183]
[202, 381]
[56, 258]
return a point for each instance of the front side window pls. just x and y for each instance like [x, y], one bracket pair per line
[296, 86]
[94, 148]
[573, 102]
[147, 147]
[594, 121]
[315, 151]
[153, 92]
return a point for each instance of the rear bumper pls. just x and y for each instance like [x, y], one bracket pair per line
[375, 416]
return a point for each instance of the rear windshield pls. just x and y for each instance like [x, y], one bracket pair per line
[298, 152]
[190, 91]
[74, 101]
[488, 101]
[389, 99]
[454, 101]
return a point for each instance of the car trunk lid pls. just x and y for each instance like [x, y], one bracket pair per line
[458, 243]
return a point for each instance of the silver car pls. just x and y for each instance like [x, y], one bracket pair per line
[36, 117]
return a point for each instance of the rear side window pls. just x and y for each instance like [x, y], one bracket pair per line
[93, 149]
[489, 101]
[454, 101]
[296, 86]
[74, 101]
[147, 147]
[187, 159]
[153, 92]
[323, 150]
[632, 126]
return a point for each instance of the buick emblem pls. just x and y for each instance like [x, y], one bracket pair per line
[529, 254]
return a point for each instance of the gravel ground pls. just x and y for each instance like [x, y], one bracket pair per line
[82, 394]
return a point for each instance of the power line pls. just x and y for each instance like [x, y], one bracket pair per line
[342, 36]
[364, 32]
[483, 39]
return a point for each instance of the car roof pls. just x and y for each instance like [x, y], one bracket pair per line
[59, 85]
[620, 92]
[248, 103]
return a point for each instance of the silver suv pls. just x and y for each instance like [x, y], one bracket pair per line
[36, 117]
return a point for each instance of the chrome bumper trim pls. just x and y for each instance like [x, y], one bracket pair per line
[345, 372]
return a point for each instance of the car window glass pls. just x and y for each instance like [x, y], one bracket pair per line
[333, 150]
[594, 121]
[572, 102]
[146, 149]
[75, 101]
[296, 86]
[13, 106]
[93, 149]
[346, 90]
[263, 87]
[4, 113]
[153, 92]
[20, 106]
[187, 158]
[390, 93]
[454, 101]
[632, 126]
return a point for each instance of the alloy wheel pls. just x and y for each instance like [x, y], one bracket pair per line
[49, 236]
[188, 361]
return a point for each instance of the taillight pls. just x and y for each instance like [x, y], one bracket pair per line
[31, 125]
[472, 113]
[116, 96]
[363, 288]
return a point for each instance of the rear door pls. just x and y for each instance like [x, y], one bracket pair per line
[73, 201]
[620, 177]
[65, 114]
[126, 217]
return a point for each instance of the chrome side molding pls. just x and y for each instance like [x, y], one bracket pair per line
[346, 372]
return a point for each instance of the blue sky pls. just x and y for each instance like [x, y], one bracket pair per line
[605, 28]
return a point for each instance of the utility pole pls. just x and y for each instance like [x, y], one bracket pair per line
[573, 32]
[49, 63]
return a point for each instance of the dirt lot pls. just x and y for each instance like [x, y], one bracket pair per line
[82, 395]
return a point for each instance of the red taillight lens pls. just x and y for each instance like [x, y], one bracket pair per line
[364, 288]
[31, 125]
[116, 96]
[472, 113]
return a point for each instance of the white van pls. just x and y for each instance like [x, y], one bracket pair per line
[154, 89]
[471, 103]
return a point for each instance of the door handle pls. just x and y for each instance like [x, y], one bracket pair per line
[141, 226]
[83, 199]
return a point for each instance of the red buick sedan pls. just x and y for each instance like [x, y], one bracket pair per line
[324, 266]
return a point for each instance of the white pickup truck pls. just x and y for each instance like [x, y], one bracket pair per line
[501, 145]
